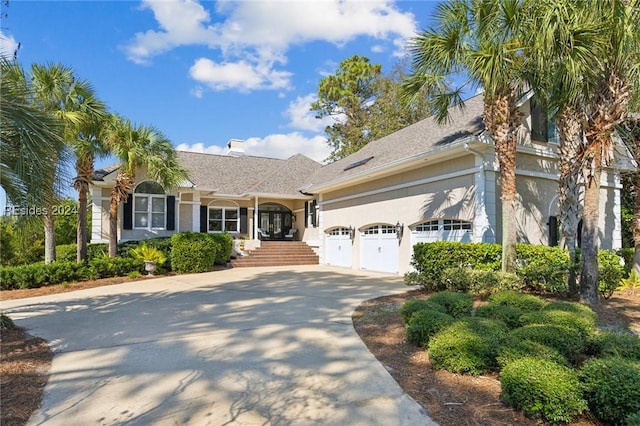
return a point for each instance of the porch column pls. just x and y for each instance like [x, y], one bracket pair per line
[195, 211]
[255, 219]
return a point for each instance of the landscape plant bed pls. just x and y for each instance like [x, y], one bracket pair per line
[452, 399]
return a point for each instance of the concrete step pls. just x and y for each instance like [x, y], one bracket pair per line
[278, 253]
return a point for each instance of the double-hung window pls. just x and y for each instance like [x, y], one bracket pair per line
[149, 206]
[224, 219]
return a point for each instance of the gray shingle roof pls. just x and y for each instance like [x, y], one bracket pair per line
[247, 174]
[413, 140]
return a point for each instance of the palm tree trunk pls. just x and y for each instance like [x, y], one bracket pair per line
[113, 226]
[49, 237]
[571, 143]
[81, 236]
[636, 220]
[589, 275]
[502, 119]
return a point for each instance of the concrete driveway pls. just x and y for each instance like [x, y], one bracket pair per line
[246, 346]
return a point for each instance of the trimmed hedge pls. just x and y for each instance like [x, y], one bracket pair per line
[424, 324]
[479, 283]
[68, 252]
[193, 252]
[612, 388]
[225, 243]
[542, 389]
[415, 305]
[584, 324]
[524, 302]
[39, 274]
[615, 344]
[468, 346]
[510, 315]
[457, 304]
[564, 339]
[515, 349]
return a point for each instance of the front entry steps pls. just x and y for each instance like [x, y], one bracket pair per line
[278, 253]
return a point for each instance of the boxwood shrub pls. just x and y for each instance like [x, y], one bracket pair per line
[522, 301]
[68, 252]
[515, 349]
[457, 304]
[510, 315]
[564, 339]
[425, 323]
[225, 243]
[542, 389]
[468, 346]
[582, 323]
[479, 283]
[613, 343]
[415, 305]
[543, 269]
[193, 252]
[612, 388]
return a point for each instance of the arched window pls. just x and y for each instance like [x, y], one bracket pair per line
[149, 206]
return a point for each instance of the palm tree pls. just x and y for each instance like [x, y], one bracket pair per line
[479, 38]
[29, 139]
[138, 147]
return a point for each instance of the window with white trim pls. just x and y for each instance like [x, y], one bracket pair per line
[453, 225]
[149, 206]
[379, 229]
[431, 225]
[224, 219]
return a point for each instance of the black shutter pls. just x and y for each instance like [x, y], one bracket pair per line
[314, 215]
[306, 214]
[127, 220]
[171, 213]
[243, 220]
[203, 218]
[553, 230]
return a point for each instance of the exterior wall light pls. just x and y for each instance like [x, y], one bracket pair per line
[399, 229]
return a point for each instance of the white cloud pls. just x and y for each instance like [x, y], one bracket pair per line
[377, 48]
[300, 116]
[255, 35]
[8, 45]
[240, 75]
[274, 146]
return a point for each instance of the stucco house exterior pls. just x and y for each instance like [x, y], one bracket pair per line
[426, 182]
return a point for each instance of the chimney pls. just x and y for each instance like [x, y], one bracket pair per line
[235, 147]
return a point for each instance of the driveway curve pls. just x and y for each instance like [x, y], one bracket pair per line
[246, 346]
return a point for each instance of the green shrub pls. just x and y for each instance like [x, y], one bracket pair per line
[457, 304]
[610, 272]
[612, 388]
[627, 255]
[567, 341]
[6, 323]
[104, 267]
[59, 272]
[68, 252]
[611, 343]
[542, 389]
[479, 283]
[524, 302]
[510, 315]
[425, 323]
[584, 324]
[515, 349]
[193, 252]
[148, 254]
[543, 269]
[161, 243]
[468, 346]
[633, 419]
[415, 305]
[225, 243]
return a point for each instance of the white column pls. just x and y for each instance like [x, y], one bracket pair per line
[195, 211]
[255, 219]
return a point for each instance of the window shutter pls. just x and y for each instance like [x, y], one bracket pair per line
[171, 213]
[127, 220]
[314, 214]
[553, 231]
[243, 220]
[203, 218]
[306, 214]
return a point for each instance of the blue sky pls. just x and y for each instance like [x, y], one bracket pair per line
[206, 72]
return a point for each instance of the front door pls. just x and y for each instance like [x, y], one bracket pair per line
[274, 223]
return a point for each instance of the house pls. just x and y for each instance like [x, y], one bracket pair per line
[423, 183]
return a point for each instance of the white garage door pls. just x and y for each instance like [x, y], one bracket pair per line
[442, 230]
[379, 249]
[338, 247]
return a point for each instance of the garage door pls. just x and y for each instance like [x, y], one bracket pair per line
[338, 247]
[442, 230]
[379, 248]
